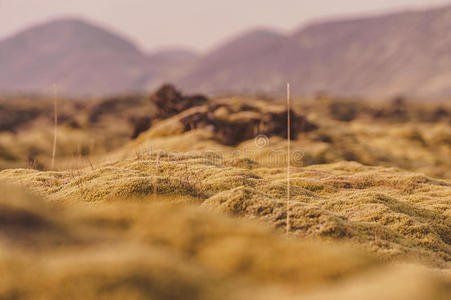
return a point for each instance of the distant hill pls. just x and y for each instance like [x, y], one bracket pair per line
[398, 54]
[406, 53]
[245, 64]
[81, 58]
[167, 65]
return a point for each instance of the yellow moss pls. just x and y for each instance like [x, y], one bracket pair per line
[391, 212]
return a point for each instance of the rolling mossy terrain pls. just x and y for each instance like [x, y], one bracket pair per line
[399, 133]
[191, 202]
[392, 213]
[188, 229]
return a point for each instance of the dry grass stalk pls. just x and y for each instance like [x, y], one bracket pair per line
[55, 111]
[288, 156]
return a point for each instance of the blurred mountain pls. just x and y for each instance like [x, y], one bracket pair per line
[81, 58]
[405, 53]
[244, 64]
[167, 65]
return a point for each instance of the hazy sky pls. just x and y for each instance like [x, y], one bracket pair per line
[196, 24]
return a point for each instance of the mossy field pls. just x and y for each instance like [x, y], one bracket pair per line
[184, 197]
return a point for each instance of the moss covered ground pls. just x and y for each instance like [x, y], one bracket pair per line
[178, 213]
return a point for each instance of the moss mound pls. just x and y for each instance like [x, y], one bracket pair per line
[393, 213]
[140, 250]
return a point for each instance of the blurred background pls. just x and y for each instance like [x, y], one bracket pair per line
[372, 77]
[358, 48]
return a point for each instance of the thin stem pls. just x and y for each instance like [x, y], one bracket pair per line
[288, 156]
[55, 112]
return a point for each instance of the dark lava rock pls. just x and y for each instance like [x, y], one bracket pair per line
[140, 125]
[171, 102]
[239, 126]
